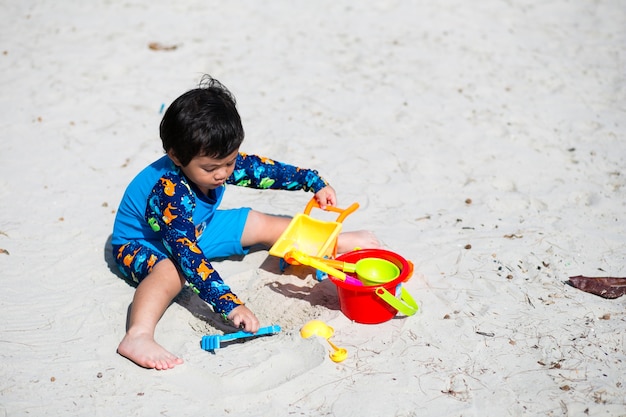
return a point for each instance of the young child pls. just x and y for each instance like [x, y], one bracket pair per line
[168, 226]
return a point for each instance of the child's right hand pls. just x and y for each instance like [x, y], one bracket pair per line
[242, 316]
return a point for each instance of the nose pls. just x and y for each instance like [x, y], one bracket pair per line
[222, 173]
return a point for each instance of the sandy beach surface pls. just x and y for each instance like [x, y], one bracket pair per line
[484, 142]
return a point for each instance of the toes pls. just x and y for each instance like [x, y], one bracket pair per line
[167, 362]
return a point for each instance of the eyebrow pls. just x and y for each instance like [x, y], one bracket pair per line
[212, 166]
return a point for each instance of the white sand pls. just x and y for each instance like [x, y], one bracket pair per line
[409, 108]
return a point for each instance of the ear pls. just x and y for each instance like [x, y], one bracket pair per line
[173, 157]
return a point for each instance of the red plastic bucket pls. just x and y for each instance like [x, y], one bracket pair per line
[375, 304]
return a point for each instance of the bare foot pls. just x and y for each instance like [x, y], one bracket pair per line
[144, 351]
[363, 239]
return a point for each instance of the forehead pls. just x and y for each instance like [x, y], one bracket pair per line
[209, 160]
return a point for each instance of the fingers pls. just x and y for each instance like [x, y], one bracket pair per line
[242, 317]
[250, 324]
[326, 197]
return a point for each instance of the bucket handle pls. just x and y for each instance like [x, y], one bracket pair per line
[405, 304]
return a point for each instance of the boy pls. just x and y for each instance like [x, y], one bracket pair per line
[168, 227]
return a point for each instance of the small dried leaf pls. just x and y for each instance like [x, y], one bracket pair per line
[606, 287]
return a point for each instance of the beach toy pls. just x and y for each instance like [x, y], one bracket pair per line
[370, 271]
[319, 328]
[316, 328]
[339, 355]
[311, 236]
[373, 304]
[374, 271]
[212, 342]
[295, 256]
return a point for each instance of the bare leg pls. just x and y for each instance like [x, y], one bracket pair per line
[362, 239]
[152, 297]
[266, 229]
[263, 229]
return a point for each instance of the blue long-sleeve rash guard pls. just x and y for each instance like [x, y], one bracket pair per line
[162, 206]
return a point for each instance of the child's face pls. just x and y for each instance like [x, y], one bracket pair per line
[206, 172]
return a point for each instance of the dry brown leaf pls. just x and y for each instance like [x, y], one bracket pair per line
[606, 287]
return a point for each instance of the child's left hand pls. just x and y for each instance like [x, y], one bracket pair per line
[243, 318]
[326, 197]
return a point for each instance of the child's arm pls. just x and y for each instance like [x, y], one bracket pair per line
[169, 213]
[257, 172]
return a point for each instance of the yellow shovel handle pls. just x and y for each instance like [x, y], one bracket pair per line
[305, 259]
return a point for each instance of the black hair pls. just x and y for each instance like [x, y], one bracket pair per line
[202, 122]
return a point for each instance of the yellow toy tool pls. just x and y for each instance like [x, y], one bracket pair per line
[311, 236]
[321, 264]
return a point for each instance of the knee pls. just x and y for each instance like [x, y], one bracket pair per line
[263, 228]
[166, 270]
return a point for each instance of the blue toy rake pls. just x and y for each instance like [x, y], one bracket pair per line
[212, 342]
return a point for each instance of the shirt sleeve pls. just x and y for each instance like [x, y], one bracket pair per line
[169, 212]
[258, 172]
